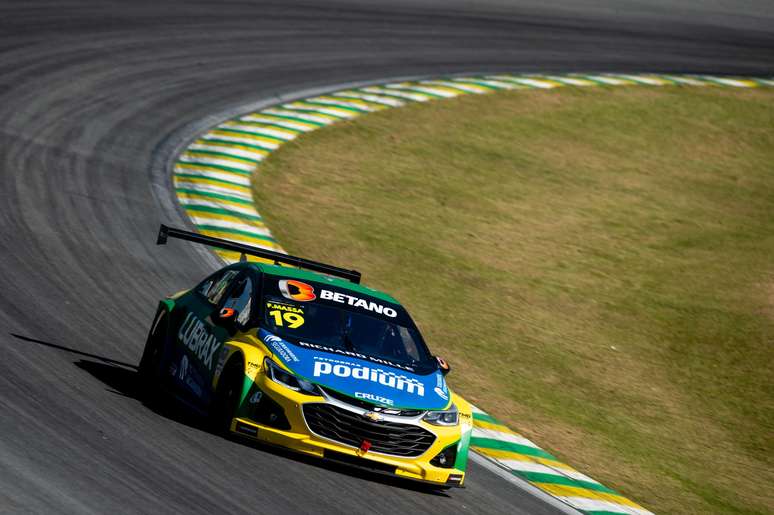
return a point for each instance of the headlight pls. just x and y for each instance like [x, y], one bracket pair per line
[450, 417]
[288, 380]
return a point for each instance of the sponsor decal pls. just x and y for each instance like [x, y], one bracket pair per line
[280, 347]
[375, 382]
[343, 298]
[325, 366]
[285, 307]
[194, 386]
[353, 354]
[256, 397]
[194, 334]
[440, 388]
[293, 316]
[248, 430]
[183, 370]
[374, 398]
[188, 376]
[296, 290]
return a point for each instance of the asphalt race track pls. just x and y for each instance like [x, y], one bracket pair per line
[90, 94]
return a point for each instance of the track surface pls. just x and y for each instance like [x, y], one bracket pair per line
[89, 92]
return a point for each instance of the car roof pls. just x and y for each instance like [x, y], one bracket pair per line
[298, 273]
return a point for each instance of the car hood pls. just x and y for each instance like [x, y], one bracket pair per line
[360, 378]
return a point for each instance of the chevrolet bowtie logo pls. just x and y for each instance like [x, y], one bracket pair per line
[373, 417]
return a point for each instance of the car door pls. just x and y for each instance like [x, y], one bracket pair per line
[198, 338]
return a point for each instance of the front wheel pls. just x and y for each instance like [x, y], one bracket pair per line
[227, 396]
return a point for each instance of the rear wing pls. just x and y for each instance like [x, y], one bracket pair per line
[170, 232]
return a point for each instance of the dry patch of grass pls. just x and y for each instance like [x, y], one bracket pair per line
[595, 264]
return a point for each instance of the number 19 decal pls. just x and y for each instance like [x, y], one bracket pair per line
[294, 320]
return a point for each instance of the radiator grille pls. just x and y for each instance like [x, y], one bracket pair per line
[352, 429]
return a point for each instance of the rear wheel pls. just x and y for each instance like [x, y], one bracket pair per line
[150, 363]
[227, 396]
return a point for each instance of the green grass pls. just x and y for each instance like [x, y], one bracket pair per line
[597, 266]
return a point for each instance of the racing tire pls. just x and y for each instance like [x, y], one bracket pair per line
[148, 370]
[227, 396]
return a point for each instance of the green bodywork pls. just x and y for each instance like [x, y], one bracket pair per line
[297, 273]
[461, 462]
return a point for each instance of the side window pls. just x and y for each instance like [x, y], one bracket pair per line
[240, 299]
[214, 287]
[204, 288]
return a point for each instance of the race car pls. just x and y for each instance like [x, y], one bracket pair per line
[306, 358]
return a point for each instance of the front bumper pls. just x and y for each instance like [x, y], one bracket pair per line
[291, 430]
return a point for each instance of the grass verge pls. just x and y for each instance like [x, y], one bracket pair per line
[596, 265]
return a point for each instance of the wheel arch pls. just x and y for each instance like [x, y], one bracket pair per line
[251, 358]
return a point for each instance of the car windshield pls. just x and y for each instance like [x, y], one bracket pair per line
[346, 330]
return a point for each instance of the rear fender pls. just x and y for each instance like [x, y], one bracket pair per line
[165, 307]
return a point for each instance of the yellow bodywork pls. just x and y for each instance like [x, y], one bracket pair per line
[300, 438]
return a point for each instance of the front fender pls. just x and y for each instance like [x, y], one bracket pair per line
[466, 429]
[252, 353]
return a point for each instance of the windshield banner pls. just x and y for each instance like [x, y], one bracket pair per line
[328, 295]
[379, 384]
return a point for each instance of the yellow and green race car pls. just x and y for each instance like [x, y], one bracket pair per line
[306, 358]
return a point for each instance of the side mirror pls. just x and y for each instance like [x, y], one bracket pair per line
[226, 318]
[443, 365]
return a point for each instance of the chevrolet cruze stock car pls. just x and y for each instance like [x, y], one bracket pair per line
[306, 358]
